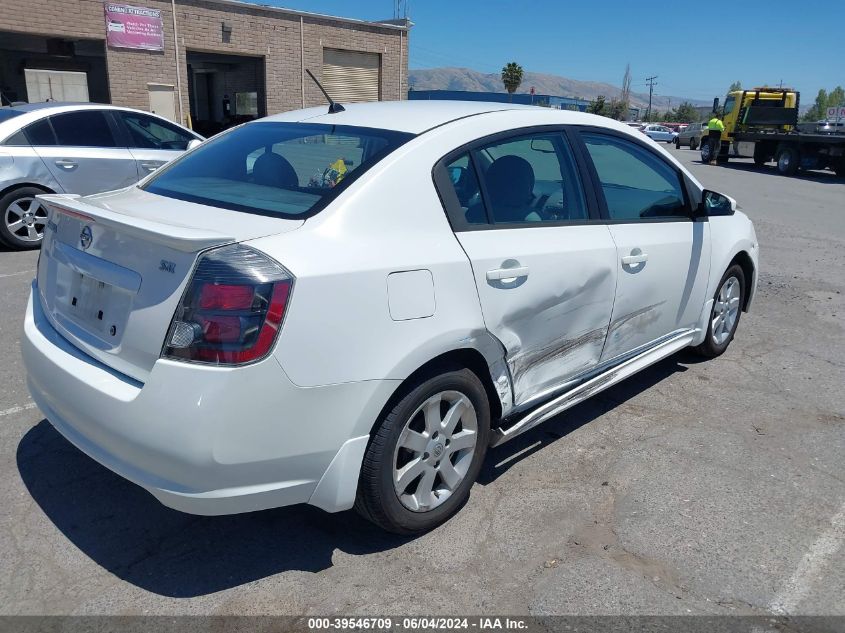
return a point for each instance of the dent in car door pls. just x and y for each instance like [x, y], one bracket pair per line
[85, 158]
[663, 256]
[545, 277]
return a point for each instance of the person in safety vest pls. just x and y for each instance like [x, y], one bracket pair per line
[715, 128]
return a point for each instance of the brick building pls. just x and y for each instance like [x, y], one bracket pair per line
[212, 63]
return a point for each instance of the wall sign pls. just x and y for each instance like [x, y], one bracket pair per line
[134, 27]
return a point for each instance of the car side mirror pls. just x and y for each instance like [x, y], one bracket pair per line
[714, 204]
[194, 142]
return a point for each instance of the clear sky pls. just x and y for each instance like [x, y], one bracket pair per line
[801, 43]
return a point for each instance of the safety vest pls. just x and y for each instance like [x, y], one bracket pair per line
[715, 124]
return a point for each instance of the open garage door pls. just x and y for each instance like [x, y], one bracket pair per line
[351, 75]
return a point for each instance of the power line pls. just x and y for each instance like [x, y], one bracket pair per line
[651, 84]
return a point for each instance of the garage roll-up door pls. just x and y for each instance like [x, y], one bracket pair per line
[351, 75]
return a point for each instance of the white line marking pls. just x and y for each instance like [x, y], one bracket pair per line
[26, 407]
[811, 567]
[23, 272]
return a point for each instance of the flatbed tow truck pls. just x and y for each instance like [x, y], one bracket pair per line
[763, 124]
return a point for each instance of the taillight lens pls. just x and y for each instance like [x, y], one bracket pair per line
[232, 310]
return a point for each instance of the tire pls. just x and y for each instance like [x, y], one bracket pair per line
[788, 159]
[705, 151]
[407, 441]
[761, 157]
[839, 168]
[23, 218]
[693, 143]
[727, 302]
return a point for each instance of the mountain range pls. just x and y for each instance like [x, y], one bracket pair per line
[467, 79]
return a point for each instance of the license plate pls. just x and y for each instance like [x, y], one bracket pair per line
[88, 301]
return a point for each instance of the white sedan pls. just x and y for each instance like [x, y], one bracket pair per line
[347, 309]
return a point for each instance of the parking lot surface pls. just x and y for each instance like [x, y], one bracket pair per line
[695, 487]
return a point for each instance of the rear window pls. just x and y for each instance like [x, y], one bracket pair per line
[276, 169]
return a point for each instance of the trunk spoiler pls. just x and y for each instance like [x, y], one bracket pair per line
[183, 238]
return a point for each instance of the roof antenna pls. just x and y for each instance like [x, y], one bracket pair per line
[334, 108]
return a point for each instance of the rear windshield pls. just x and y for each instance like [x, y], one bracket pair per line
[276, 169]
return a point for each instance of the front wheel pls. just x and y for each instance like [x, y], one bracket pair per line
[706, 151]
[724, 316]
[425, 454]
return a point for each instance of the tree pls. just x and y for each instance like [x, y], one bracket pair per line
[686, 113]
[735, 86]
[597, 106]
[616, 110]
[512, 77]
[625, 97]
[819, 108]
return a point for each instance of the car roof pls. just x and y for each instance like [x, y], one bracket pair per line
[31, 112]
[414, 117]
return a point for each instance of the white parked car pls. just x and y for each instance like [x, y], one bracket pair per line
[347, 309]
[660, 133]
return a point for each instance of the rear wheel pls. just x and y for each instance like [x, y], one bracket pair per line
[425, 454]
[724, 316]
[693, 143]
[24, 218]
[788, 160]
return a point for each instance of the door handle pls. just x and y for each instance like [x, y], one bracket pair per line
[638, 258]
[66, 164]
[507, 273]
[152, 165]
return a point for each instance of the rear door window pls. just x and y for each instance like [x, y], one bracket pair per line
[40, 133]
[86, 128]
[531, 179]
[272, 168]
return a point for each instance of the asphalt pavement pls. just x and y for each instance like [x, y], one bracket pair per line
[695, 487]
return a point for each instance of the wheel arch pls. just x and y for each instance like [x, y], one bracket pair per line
[743, 259]
[470, 358]
[20, 185]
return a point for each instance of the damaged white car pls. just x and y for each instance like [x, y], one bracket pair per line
[348, 308]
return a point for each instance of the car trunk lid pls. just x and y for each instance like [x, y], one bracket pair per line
[113, 268]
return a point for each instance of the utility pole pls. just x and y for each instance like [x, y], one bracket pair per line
[651, 84]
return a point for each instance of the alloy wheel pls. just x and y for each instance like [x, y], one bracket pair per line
[25, 219]
[725, 310]
[435, 450]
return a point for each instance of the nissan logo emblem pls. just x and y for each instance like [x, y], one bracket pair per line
[85, 238]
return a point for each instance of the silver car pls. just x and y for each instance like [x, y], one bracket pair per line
[691, 135]
[659, 133]
[75, 148]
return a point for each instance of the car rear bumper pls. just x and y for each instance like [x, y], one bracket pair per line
[206, 440]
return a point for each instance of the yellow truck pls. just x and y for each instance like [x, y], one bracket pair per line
[762, 124]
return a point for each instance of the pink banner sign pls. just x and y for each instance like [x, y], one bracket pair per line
[134, 27]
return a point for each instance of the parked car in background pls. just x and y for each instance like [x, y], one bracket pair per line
[347, 309]
[691, 136]
[75, 148]
[659, 133]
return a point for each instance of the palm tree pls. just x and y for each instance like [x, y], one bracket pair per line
[512, 77]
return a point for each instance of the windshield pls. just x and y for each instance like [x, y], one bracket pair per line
[729, 104]
[278, 169]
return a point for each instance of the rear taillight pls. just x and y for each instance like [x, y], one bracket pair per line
[232, 310]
